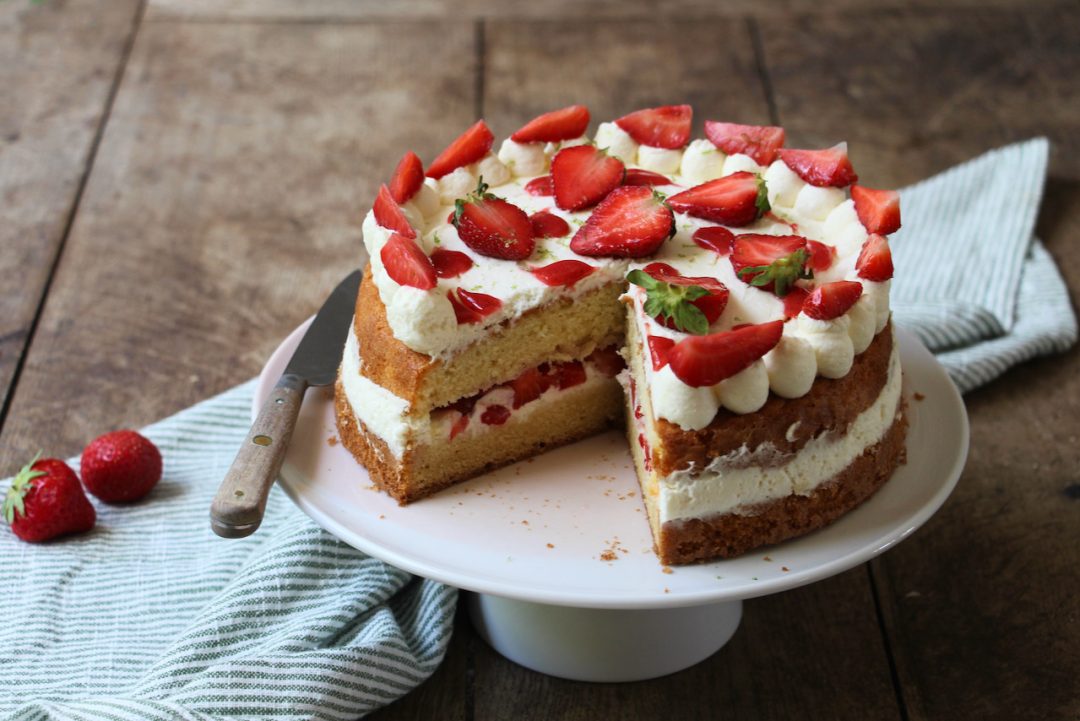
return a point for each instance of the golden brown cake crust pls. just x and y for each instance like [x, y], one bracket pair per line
[831, 405]
[728, 535]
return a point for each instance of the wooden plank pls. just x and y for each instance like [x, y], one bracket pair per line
[58, 65]
[980, 606]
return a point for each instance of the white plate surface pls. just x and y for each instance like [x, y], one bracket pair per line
[540, 530]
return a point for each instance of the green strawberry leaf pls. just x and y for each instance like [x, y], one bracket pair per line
[670, 301]
[782, 272]
[20, 485]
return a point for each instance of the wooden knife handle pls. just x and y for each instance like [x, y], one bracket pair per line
[238, 507]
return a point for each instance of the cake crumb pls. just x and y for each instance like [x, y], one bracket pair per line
[666, 569]
[785, 569]
[767, 558]
[382, 516]
[919, 396]
[551, 545]
[608, 555]
[524, 522]
[667, 590]
[332, 441]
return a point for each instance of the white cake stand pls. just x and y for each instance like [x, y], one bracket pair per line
[558, 553]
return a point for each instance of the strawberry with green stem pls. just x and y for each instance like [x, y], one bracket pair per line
[46, 500]
[771, 262]
[687, 304]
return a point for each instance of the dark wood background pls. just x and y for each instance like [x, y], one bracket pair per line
[182, 182]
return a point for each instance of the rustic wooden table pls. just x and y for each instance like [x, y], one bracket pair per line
[182, 182]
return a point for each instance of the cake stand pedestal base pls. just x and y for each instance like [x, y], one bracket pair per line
[598, 644]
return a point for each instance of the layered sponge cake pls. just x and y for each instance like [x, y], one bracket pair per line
[725, 298]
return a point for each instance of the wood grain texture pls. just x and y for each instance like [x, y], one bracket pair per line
[225, 204]
[58, 65]
[980, 606]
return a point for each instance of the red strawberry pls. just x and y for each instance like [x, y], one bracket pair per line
[631, 222]
[529, 386]
[569, 374]
[705, 360]
[472, 307]
[832, 300]
[659, 347]
[714, 238]
[563, 272]
[607, 360]
[737, 199]
[388, 214]
[583, 175]
[821, 256]
[771, 262]
[493, 227]
[450, 263]
[459, 426]
[794, 300]
[406, 264]
[469, 147]
[760, 142]
[121, 466]
[637, 176]
[45, 500]
[564, 124]
[665, 127]
[407, 179]
[829, 167]
[875, 260]
[712, 305]
[878, 210]
[495, 415]
[541, 187]
[548, 225]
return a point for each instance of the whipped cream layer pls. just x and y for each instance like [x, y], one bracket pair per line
[740, 481]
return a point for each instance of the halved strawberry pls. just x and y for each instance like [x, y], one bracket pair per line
[495, 415]
[541, 187]
[659, 346]
[821, 256]
[563, 124]
[712, 304]
[631, 222]
[737, 199]
[469, 147]
[450, 263]
[714, 238]
[472, 307]
[406, 264]
[665, 127]
[832, 300]
[793, 301]
[492, 226]
[760, 142]
[823, 168]
[459, 426]
[529, 386]
[407, 179]
[607, 360]
[583, 175]
[770, 262]
[548, 225]
[878, 210]
[569, 374]
[705, 360]
[638, 176]
[875, 260]
[388, 214]
[563, 272]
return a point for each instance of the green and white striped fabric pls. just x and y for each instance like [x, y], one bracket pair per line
[971, 280]
[151, 616]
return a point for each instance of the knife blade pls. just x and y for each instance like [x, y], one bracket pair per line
[240, 502]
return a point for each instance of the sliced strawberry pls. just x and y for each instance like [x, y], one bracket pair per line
[529, 386]
[878, 210]
[821, 256]
[459, 426]
[776, 258]
[469, 147]
[647, 456]
[388, 214]
[407, 179]
[760, 142]
[472, 307]
[493, 227]
[548, 225]
[793, 301]
[832, 300]
[450, 263]
[563, 272]
[607, 360]
[406, 264]
[659, 346]
[714, 238]
[540, 187]
[665, 127]
[638, 176]
[495, 415]
[737, 199]
[712, 305]
[823, 168]
[563, 124]
[583, 175]
[705, 360]
[569, 374]
[631, 222]
[875, 260]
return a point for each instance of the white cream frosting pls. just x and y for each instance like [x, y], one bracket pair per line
[523, 158]
[659, 160]
[701, 162]
[617, 142]
[739, 163]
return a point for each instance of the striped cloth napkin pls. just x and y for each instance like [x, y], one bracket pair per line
[151, 616]
[971, 279]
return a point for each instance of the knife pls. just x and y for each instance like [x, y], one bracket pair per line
[240, 502]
